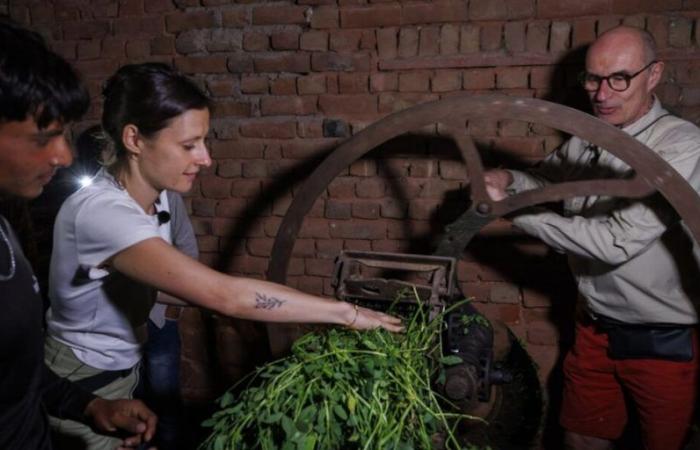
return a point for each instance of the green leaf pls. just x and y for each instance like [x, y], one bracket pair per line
[451, 360]
[308, 442]
[340, 412]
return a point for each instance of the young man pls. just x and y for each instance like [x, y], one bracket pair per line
[635, 331]
[40, 95]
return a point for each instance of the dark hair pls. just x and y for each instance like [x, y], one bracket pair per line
[34, 81]
[148, 95]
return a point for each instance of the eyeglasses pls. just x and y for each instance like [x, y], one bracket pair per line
[618, 81]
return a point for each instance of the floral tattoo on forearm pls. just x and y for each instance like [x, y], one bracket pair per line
[262, 301]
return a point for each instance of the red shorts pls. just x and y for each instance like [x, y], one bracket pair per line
[594, 405]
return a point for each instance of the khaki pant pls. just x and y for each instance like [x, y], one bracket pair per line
[71, 435]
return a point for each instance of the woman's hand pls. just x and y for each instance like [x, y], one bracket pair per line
[368, 319]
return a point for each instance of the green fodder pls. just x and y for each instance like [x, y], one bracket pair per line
[343, 389]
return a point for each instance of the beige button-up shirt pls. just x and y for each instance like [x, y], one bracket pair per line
[628, 256]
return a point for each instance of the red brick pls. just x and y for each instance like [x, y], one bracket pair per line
[512, 77]
[239, 64]
[215, 187]
[285, 40]
[520, 9]
[358, 229]
[368, 40]
[639, 21]
[238, 17]
[320, 267]
[345, 40]
[312, 128]
[606, 23]
[537, 37]
[658, 27]
[131, 7]
[254, 84]
[96, 68]
[311, 84]
[85, 30]
[305, 149]
[255, 168]
[287, 105]
[256, 42]
[314, 41]
[542, 333]
[269, 129]
[246, 188]
[331, 62]
[316, 229]
[429, 41]
[325, 17]
[446, 81]
[208, 243]
[89, 49]
[353, 83]
[560, 36]
[203, 64]
[423, 209]
[394, 209]
[279, 15]
[435, 12]
[381, 82]
[449, 39]
[229, 168]
[509, 314]
[491, 36]
[375, 16]
[290, 62]
[181, 21]
[259, 246]
[520, 146]
[231, 207]
[583, 32]
[348, 104]
[452, 170]
[370, 188]
[163, 45]
[67, 50]
[408, 42]
[231, 109]
[138, 49]
[224, 40]
[571, 8]
[387, 43]
[342, 187]
[414, 82]
[479, 79]
[283, 86]
[365, 210]
[679, 32]
[328, 248]
[487, 10]
[514, 36]
[338, 209]
[469, 39]
[158, 6]
[392, 102]
[504, 293]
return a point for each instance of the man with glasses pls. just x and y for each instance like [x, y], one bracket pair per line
[634, 328]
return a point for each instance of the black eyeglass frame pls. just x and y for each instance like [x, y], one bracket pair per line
[583, 77]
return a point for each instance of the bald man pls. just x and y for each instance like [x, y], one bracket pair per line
[635, 326]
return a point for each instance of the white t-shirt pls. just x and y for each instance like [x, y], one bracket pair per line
[95, 310]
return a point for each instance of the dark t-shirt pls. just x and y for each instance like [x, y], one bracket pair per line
[27, 388]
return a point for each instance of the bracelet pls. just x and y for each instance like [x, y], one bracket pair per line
[354, 319]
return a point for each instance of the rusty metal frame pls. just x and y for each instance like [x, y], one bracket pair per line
[652, 173]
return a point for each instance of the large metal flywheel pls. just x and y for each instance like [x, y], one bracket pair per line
[651, 175]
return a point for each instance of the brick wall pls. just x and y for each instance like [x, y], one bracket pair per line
[293, 79]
